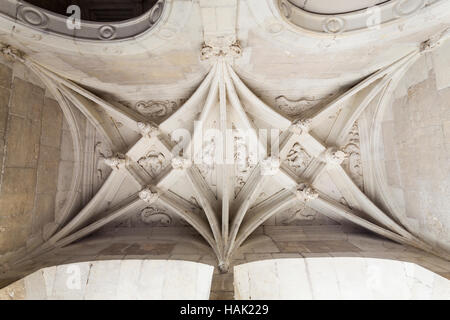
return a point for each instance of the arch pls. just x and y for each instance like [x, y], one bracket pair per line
[337, 278]
[41, 19]
[115, 279]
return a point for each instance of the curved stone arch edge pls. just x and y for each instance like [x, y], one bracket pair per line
[267, 12]
[166, 28]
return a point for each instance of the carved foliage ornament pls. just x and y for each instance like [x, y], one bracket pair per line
[156, 108]
[115, 161]
[210, 50]
[153, 162]
[353, 163]
[148, 129]
[305, 192]
[148, 195]
[301, 126]
[243, 164]
[155, 217]
[297, 158]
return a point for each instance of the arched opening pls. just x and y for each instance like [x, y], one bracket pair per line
[115, 279]
[336, 6]
[338, 278]
[99, 10]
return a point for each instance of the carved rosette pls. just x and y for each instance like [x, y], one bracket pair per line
[301, 126]
[180, 163]
[270, 166]
[149, 130]
[297, 214]
[335, 156]
[148, 195]
[305, 192]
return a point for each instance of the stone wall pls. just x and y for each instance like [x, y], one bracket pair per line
[30, 138]
[416, 136]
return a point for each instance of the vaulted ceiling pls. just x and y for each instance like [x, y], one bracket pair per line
[225, 117]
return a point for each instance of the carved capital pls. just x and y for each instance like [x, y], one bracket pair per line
[116, 161]
[148, 195]
[335, 156]
[148, 129]
[305, 192]
[301, 126]
[270, 166]
[180, 163]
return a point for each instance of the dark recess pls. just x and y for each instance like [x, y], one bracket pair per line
[99, 10]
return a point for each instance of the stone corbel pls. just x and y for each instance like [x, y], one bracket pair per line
[12, 53]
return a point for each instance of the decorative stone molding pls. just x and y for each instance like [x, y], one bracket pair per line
[301, 214]
[365, 18]
[156, 108]
[219, 49]
[116, 161]
[297, 158]
[353, 162]
[42, 19]
[155, 217]
[294, 107]
[148, 195]
[180, 163]
[149, 130]
[301, 126]
[333, 25]
[335, 156]
[153, 162]
[270, 166]
[243, 166]
[305, 192]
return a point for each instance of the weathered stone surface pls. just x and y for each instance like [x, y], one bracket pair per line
[22, 142]
[44, 211]
[4, 108]
[51, 123]
[47, 177]
[27, 99]
[17, 194]
[5, 76]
